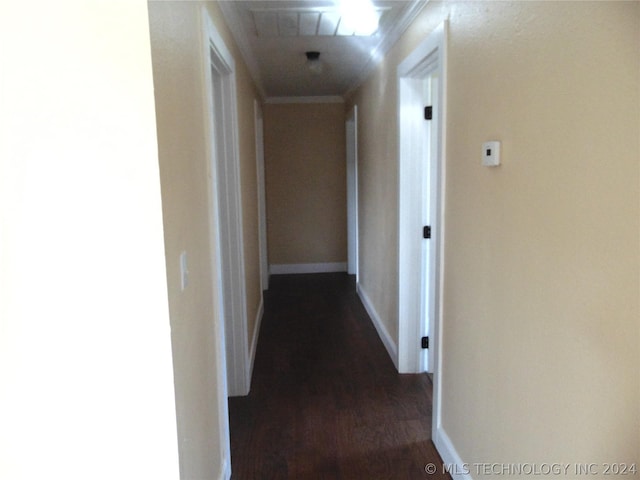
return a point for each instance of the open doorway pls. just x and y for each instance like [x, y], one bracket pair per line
[226, 221]
[421, 114]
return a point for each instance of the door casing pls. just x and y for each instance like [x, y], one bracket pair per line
[351, 126]
[427, 59]
[226, 220]
[262, 200]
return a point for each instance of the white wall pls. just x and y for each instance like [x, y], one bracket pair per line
[86, 382]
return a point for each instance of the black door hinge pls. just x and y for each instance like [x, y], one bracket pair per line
[425, 342]
[428, 113]
[426, 232]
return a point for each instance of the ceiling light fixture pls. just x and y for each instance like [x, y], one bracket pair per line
[360, 16]
[313, 62]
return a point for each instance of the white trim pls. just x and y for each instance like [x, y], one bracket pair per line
[414, 146]
[351, 131]
[212, 44]
[383, 333]
[215, 42]
[262, 201]
[437, 324]
[288, 268]
[222, 145]
[256, 333]
[318, 99]
[429, 56]
[225, 470]
[450, 455]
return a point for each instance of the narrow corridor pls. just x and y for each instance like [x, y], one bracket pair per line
[326, 401]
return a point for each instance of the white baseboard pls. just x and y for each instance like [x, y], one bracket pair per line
[389, 344]
[280, 269]
[225, 470]
[254, 340]
[457, 468]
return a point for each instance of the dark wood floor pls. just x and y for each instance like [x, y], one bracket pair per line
[326, 401]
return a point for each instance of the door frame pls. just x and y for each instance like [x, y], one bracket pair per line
[226, 230]
[428, 58]
[351, 126]
[262, 199]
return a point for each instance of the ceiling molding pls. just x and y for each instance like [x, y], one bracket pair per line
[235, 25]
[389, 41]
[318, 99]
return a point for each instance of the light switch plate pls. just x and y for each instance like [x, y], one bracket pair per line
[491, 154]
[184, 271]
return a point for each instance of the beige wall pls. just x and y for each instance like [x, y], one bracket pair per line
[86, 378]
[247, 95]
[305, 167]
[378, 193]
[176, 36]
[542, 254]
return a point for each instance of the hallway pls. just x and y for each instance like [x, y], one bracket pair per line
[326, 401]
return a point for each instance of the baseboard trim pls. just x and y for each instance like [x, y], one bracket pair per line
[457, 468]
[225, 470]
[254, 340]
[383, 333]
[284, 268]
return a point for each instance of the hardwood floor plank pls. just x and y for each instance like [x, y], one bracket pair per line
[326, 401]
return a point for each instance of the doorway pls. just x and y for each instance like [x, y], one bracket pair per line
[226, 222]
[421, 114]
